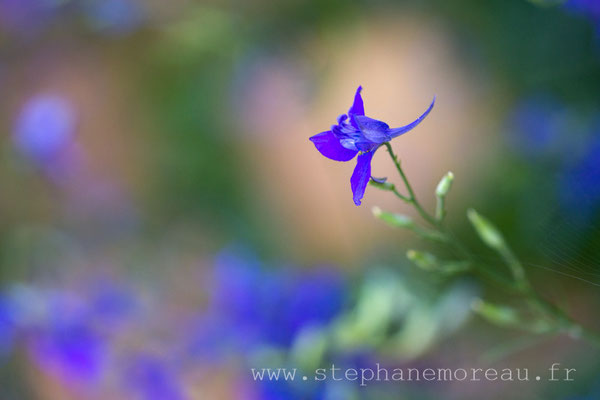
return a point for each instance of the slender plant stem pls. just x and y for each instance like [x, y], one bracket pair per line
[411, 194]
[520, 284]
[440, 209]
[516, 268]
[400, 196]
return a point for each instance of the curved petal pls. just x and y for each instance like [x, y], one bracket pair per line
[379, 180]
[329, 145]
[360, 176]
[372, 129]
[403, 129]
[358, 107]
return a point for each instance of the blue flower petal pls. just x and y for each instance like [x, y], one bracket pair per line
[152, 378]
[372, 129]
[360, 176]
[358, 107]
[403, 129]
[329, 145]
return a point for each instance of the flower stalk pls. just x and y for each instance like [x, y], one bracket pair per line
[555, 318]
[412, 198]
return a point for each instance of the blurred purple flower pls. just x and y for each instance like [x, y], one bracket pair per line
[357, 134]
[8, 326]
[589, 8]
[61, 337]
[253, 300]
[26, 17]
[314, 298]
[116, 17]
[536, 125]
[72, 349]
[112, 304]
[238, 291]
[79, 339]
[580, 184]
[44, 132]
[207, 338]
[282, 389]
[152, 379]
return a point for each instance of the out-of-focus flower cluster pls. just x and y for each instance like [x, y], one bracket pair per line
[108, 338]
[124, 339]
[44, 134]
[27, 18]
[588, 8]
[564, 143]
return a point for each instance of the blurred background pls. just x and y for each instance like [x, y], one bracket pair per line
[165, 224]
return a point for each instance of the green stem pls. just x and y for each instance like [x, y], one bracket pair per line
[516, 268]
[412, 198]
[520, 284]
[400, 196]
[440, 209]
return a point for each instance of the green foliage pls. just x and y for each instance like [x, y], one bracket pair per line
[546, 317]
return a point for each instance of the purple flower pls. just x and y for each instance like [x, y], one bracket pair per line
[7, 326]
[26, 17]
[537, 126]
[315, 298]
[152, 378]
[357, 134]
[589, 8]
[250, 299]
[580, 185]
[44, 134]
[72, 349]
[59, 335]
[45, 127]
[112, 305]
[114, 16]
[282, 389]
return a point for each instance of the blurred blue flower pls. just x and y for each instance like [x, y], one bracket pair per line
[282, 389]
[357, 134]
[152, 379]
[207, 338]
[314, 298]
[80, 339]
[111, 305]
[272, 306]
[580, 184]
[240, 295]
[115, 17]
[45, 128]
[562, 141]
[60, 336]
[8, 326]
[26, 17]
[536, 125]
[589, 8]
[70, 348]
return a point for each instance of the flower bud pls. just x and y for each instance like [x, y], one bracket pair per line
[496, 314]
[423, 260]
[440, 192]
[455, 267]
[395, 220]
[486, 231]
[445, 184]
